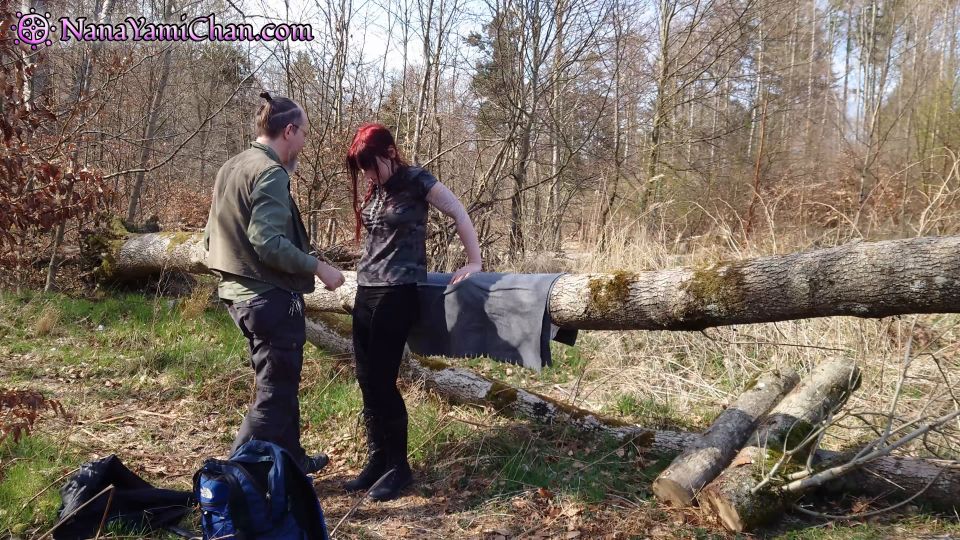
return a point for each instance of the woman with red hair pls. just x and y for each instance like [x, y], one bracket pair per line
[393, 260]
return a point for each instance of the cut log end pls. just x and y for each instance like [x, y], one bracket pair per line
[700, 463]
[731, 495]
[736, 506]
[672, 492]
[727, 512]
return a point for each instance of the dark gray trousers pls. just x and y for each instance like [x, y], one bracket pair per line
[273, 324]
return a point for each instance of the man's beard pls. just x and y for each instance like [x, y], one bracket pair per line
[291, 165]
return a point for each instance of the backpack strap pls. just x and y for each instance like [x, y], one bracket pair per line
[257, 451]
[239, 511]
[306, 506]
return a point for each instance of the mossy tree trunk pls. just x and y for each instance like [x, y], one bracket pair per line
[863, 279]
[702, 461]
[875, 279]
[737, 496]
[129, 256]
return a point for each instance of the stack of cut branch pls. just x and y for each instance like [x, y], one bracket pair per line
[746, 494]
[779, 461]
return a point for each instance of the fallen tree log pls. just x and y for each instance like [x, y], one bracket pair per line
[743, 495]
[129, 256]
[894, 477]
[863, 279]
[465, 386]
[937, 481]
[702, 461]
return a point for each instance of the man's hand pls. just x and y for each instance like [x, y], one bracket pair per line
[465, 272]
[330, 276]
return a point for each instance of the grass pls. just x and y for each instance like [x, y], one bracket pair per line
[338, 400]
[122, 334]
[646, 411]
[564, 464]
[915, 526]
[29, 466]
[109, 349]
[431, 431]
[183, 363]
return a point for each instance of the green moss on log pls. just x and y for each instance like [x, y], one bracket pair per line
[501, 396]
[793, 438]
[757, 509]
[176, 239]
[789, 440]
[102, 247]
[431, 363]
[717, 288]
[609, 293]
[341, 324]
[772, 456]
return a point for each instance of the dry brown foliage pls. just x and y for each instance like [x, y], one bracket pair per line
[43, 181]
[20, 410]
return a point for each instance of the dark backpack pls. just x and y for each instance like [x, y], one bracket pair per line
[259, 493]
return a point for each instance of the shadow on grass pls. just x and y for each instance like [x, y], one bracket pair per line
[471, 470]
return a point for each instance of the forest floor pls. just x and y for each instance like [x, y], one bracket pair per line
[163, 382]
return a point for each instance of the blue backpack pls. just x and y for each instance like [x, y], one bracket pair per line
[259, 493]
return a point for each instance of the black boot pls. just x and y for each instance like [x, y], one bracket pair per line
[313, 464]
[400, 476]
[376, 456]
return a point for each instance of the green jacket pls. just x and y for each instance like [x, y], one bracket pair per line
[255, 236]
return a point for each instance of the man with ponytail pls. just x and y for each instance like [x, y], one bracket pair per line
[393, 260]
[257, 243]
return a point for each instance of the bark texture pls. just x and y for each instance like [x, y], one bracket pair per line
[130, 256]
[702, 461]
[876, 279]
[863, 279]
[733, 496]
[897, 478]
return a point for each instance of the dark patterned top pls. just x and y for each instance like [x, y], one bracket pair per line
[395, 217]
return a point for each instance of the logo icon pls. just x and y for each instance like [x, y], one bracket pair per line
[33, 29]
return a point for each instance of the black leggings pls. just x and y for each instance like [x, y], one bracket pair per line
[382, 318]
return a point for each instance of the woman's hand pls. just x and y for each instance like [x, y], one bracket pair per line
[330, 276]
[465, 272]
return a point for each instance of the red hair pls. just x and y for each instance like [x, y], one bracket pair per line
[372, 140]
